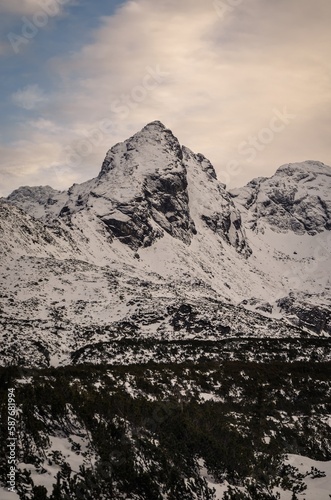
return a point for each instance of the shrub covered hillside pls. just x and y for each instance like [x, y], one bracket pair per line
[166, 431]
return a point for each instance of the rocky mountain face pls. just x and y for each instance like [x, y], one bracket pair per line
[141, 192]
[166, 338]
[294, 199]
[295, 203]
[155, 251]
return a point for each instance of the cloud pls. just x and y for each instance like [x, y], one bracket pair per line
[19, 7]
[35, 162]
[44, 125]
[25, 7]
[225, 76]
[217, 83]
[29, 98]
[22, 20]
[4, 49]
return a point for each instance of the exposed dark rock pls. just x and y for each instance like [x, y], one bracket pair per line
[228, 225]
[293, 199]
[312, 317]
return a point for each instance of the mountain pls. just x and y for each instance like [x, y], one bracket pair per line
[290, 213]
[295, 199]
[155, 249]
[163, 337]
[143, 191]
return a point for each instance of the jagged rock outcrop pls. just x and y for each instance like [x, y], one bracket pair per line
[141, 192]
[295, 199]
[213, 204]
[316, 318]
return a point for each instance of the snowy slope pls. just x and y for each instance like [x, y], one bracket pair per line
[119, 256]
[287, 220]
[317, 488]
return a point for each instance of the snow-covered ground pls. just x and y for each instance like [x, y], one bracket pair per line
[73, 450]
[318, 488]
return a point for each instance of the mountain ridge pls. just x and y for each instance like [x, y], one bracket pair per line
[155, 247]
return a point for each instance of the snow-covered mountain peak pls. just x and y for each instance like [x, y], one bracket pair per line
[310, 167]
[296, 198]
[154, 127]
[151, 149]
[42, 202]
[148, 185]
[155, 237]
[26, 195]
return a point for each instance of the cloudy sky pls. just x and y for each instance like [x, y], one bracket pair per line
[245, 82]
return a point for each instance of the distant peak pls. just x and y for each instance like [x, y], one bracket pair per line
[32, 191]
[308, 166]
[155, 124]
[155, 128]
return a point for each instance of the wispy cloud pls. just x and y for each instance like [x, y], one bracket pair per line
[26, 7]
[44, 125]
[31, 162]
[4, 49]
[29, 97]
[223, 77]
[19, 7]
